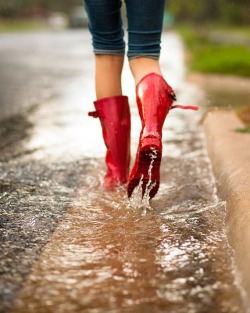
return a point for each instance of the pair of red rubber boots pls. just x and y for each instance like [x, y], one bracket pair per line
[154, 99]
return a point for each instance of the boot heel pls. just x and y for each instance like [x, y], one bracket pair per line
[151, 141]
[147, 170]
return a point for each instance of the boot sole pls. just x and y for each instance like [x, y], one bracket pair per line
[147, 171]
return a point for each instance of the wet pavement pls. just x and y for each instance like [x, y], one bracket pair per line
[34, 67]
[69, 246]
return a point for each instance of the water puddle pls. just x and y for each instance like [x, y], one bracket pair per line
[110, 254]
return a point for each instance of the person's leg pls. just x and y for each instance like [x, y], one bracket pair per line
[112, 108]
[142, 66]
[108, 73]
[105, 26]
[153, 95]
[145, 22]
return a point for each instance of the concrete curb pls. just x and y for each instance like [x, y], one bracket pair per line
[229, 152]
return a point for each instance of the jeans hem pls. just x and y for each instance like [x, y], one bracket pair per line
[113, 52]
[154, 56]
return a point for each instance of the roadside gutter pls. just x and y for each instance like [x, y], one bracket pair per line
[229, 152]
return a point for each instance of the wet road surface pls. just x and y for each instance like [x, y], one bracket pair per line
[69, 246]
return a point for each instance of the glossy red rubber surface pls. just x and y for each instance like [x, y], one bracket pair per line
[114, 114]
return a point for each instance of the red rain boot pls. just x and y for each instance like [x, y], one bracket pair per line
[114, 114]
[154, 100]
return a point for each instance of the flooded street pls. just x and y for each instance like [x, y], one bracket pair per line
[67, 245]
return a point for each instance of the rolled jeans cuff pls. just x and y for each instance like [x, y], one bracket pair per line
[106, 51]
[131, 56]
[154, 56]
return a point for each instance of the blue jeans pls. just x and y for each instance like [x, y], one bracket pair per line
[145, 21]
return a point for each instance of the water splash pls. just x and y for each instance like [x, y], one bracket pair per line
[138, 202]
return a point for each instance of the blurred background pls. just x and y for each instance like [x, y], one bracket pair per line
[216, 35]
[226, 12]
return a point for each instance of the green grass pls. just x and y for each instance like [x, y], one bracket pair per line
[245, 130]
[222, 59]
[8, 25]
[213, 57]
[208, 56]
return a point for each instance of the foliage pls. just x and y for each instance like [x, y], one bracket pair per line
[12, 8]
[215, 57]
[11, 25]
[199, 11]
[220, 58]
[245, 130]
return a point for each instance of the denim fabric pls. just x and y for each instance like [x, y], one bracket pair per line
[145, 20]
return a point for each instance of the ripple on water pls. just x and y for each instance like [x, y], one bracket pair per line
[107, 255]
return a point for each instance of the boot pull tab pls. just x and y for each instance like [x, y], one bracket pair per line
[93, 114]
[184, 107]
[179, 106]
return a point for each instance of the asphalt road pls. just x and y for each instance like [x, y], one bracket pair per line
[35, 69]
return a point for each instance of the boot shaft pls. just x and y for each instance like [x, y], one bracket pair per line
[112, 112]
[114, 115]
[154, 99]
